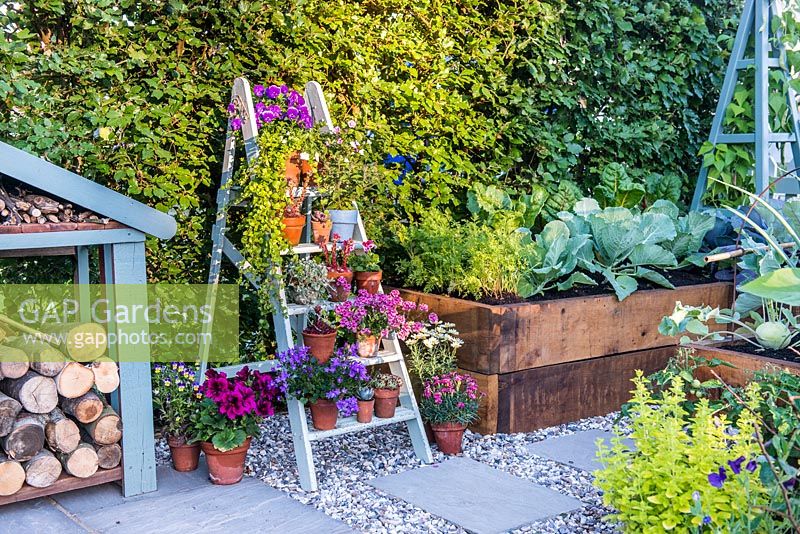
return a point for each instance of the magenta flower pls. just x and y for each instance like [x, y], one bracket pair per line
[273, 92]
[258, 90]
[236, 123]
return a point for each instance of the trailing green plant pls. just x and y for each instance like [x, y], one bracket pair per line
[676, 461]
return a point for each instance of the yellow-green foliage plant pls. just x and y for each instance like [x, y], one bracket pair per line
[665, 482]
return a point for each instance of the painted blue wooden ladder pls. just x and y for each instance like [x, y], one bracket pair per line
[295, 318]
[770, 53]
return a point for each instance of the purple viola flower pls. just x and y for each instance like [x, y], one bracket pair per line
[231, 108]
[284, 89]
[751, 466]
[294, 98]
[736, 465]
[292, 113]
[236, 124]
[718, 478]
[258, 90]
[260, 107]
[273, 92]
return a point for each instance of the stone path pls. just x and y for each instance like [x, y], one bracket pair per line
[536, 482]
[184, 502]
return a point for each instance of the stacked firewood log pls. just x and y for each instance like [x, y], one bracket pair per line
[23, 207]
[54, 416]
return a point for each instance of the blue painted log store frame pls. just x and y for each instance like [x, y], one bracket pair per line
[122, 261]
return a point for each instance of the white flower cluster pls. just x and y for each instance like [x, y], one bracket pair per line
[435, 335]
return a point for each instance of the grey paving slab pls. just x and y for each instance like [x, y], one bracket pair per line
[36, 517]
[476, 497]
[578, 449]
[188, 502]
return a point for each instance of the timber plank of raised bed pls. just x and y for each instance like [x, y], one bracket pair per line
[502, 339]
[64, 483]
[745, 365]
[531, 399]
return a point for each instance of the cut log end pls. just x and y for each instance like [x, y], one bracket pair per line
[61, 432]
[108, 456]
[12, 476]
[86, 408]
[82, 462]
[42, 470]
[35, 392]
[106, 375]
[74, 380]
[26, 439]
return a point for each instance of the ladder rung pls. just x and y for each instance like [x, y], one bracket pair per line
[751, 138]
[384, 356]
[348, 425]
[264, 367]
[772, 63]
[312, 248]
[302, 309]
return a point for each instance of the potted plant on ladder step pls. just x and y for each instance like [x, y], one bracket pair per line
[320, 334]
[323, 387]
[449, 403]
[387, 391]
[229, 418]
[340, 275]
[176, 399]
[367, 268]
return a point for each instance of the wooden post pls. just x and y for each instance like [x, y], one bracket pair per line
[127, 263]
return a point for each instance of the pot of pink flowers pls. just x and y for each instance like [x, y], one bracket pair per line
[371, 317]
[229, 418]
[449, 403]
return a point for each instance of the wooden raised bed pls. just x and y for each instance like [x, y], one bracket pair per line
[513, 337]
[553, 361]
[745, 364]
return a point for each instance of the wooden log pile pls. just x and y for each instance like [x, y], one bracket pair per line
[25, 207]
[54, 416]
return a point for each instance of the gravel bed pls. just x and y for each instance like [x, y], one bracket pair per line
[344, 464]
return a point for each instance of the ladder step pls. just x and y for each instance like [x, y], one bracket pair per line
[313, 248]
[303, 309]
[264, 367]
[384, 356]
[751, 138]
[348, 425]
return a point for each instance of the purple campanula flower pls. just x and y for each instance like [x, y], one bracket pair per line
[751, 466]
[707, 520]
[736, 465]
[258, 90]
[718, 478]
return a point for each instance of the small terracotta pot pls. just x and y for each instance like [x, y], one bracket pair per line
[365, 410]
[320, 345]
[184, 457]
[292, 168]
[322, 231]
[293, 229]
[368, 346]
[340, 294]
[386, 402]
[371, 281]
[226, 467]
[449, 437]
[324, 414]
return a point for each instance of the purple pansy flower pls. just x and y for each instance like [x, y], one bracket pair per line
[273, 92]
[258, 90]
[236, 123]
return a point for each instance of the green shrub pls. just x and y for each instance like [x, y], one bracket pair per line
[655, 486]
[540, 93]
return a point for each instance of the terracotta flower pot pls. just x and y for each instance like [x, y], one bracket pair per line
[320, 345]
[322, 231]
[371, 281]
[184, 457]
[340, 294]
[292, 168]
[386, 402]
[324, 414]
[293, 229]
[449, 436]
[365, 411]
[225, 467]
[368, 346]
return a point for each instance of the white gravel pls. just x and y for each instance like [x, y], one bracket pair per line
[345, 463]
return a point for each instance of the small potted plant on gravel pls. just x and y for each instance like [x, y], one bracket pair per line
[449, 403]
[320, 385]
[306, 281]
[340, 276]
[366, 403]
[387, 391]
[229, 418]
[367, 268]
[320, 334]
[321, 225]
[176, 400]
[369, 318]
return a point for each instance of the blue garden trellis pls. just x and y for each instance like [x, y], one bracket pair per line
[770, 53]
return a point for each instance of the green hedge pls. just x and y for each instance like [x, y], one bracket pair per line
[132, 93]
